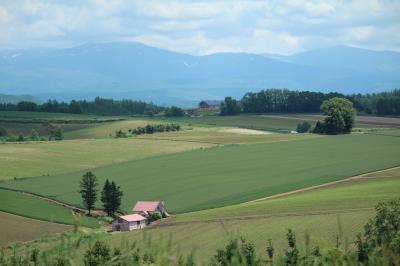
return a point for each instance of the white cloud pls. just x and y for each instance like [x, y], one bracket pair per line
[200, 26]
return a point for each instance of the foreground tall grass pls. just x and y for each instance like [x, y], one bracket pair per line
[379, 244]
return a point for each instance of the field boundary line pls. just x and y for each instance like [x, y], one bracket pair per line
[288, 193]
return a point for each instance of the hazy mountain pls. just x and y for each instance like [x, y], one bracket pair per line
[133, 70]
[6, 98]
[355, 59]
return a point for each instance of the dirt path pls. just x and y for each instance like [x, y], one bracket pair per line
[365, 175]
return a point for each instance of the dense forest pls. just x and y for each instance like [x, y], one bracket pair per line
[287, 101]
[99, 106]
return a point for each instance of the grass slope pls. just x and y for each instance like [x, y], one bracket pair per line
[15, 228]
[107, 130]
[352, 195]
[36, 208]
[48, 158]
[222, 176]
[317, 212]
[195, 232]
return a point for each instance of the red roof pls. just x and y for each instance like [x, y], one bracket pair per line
[133, 218]
[146, 206]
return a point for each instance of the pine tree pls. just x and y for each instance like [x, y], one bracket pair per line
[106, 196]
[88, 190]
[116, 197]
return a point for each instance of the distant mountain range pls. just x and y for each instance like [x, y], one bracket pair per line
[137, 71]
[6, 98]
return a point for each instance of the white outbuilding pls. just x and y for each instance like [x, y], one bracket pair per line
[129, 222]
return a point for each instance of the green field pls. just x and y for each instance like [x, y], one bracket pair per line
[15, 228]
[226, 135]
[48, 158]
[260, 122]
[353, 195]
[222, 176]
[36, 208]
[107, 130]
[53, 117]
[17, 128]
[317, 212]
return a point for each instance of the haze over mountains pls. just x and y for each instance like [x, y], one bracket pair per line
[137, 71]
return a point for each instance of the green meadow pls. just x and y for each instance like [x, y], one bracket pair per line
[259, 122]
[30, 159]
[33, 207]
[225, 175]
[107, 130]
[328, 214]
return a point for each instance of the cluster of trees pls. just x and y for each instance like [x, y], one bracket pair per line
[111, 194]
[383, 103]
[340, 116]
[378, 244]
[99, 106]
[303, 127]
[230, 106]
[148, 129]
[287, 101]
[174, 111]
[284, 101]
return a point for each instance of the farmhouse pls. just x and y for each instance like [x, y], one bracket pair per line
[129, 222]
[146, 208]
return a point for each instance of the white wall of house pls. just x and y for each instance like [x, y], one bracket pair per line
[127, 226]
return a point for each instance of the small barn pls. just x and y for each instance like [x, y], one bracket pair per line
[145, 208]
[129, 222]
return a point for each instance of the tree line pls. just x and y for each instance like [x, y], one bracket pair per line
[377, 244]
[99, 106]
[290, 101]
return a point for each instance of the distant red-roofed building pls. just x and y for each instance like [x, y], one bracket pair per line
[145, 208]
[129, 222]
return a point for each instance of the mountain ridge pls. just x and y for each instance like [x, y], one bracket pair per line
[135, 70]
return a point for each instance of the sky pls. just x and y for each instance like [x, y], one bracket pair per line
[203, 27]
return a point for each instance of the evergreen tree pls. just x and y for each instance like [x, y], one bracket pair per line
[116, 197]
[88, 190]
[111, 197]
[106, 195]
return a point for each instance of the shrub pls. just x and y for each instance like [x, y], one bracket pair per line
[155, 216]
[120, 134]
[98, 254]
[237, 252]
[303, 127]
